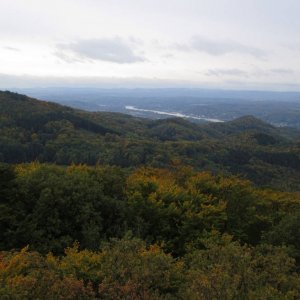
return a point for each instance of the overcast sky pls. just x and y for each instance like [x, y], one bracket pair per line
[240, 44]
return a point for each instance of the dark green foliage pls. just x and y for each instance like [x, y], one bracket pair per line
[188, 234]
[287, 232]
[50, 207]
[7, 195]
[53, 207]
[47, 132]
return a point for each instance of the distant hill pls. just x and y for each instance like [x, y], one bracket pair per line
[278, 108]
[36, 130]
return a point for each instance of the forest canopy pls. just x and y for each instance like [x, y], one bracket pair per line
[162, 229]
[32, 130]
[106, 206]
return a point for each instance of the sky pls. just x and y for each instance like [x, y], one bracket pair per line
[228, 44]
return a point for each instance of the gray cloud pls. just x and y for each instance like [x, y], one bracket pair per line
[293, 46]
[14, 82]
[248, 73]
[226, 72]
[220, 47]
[168, 55]
[68, 57]
[282, 71]
[8, 81]
[113, 50]
[11, 48]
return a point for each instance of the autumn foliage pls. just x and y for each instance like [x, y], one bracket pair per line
[102, 232]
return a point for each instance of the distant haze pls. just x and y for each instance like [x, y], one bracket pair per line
[197, 105]
[227, 44]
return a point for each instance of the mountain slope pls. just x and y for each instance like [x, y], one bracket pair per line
[32, 114]
[35, 130]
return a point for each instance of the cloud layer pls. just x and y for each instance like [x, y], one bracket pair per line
[220, 47]
[251, 73]
[105, 49]
[192, 42]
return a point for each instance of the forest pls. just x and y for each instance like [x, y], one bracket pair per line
[107, 206]
[32, 130]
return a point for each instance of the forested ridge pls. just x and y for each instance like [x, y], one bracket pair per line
[107, 206]
[47, 132]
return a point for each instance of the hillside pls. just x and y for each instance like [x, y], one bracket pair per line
[145, 220]
[37, 130]
[106, 233]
